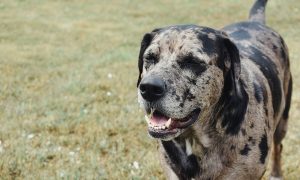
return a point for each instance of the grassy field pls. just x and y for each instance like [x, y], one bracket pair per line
[68, 106]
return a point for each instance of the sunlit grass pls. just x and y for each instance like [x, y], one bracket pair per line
[68, 105]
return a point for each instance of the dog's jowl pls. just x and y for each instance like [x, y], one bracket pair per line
[217, 100]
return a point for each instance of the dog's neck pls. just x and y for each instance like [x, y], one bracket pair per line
[186, 153]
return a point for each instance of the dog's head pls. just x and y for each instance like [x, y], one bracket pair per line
[183, 71]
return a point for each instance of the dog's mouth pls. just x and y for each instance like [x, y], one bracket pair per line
[164, 127]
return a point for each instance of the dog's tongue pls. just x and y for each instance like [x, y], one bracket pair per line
[158, 119]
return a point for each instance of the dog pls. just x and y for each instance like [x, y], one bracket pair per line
[216, 100]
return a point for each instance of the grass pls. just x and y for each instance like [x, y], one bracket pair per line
[68, 106]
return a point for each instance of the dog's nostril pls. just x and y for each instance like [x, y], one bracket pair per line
[158, 90]
[142, 88]
[152, 89]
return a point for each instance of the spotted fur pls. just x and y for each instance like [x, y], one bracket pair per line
[238, 78]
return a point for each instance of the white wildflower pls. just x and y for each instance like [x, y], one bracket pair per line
[72, 153]
[30, 136]
[136, 165]
[85, 111]
[58, 148]
[109, 75]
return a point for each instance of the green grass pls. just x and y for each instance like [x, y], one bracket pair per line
[68, 105]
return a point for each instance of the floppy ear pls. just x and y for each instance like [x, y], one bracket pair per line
[233, 56]
[234, 100]
[144, 44]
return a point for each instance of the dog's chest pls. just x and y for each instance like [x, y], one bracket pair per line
[189, 160]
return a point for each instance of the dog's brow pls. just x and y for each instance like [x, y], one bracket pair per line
[189, 57]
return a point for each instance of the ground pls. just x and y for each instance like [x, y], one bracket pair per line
[68, 101]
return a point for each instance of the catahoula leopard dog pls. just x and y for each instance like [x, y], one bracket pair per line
[217, 100]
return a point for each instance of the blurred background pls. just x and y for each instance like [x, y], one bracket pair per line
[68, 105]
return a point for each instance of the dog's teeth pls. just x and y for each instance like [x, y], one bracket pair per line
[157, 127]
[168, 123]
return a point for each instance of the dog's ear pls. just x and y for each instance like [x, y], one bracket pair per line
[232, 63]
[234, 100]
[144, 44]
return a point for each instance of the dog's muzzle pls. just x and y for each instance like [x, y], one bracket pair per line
[165, 128]
[160, 125]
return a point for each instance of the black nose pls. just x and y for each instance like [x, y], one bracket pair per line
[152, 88]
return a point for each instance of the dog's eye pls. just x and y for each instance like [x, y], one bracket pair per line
[191, 61]
[151, 58]
[193, 65]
